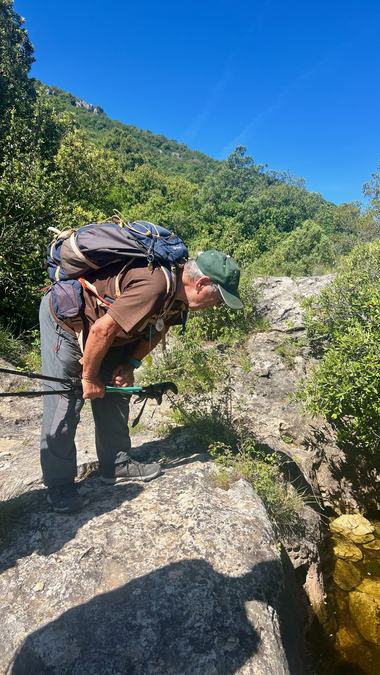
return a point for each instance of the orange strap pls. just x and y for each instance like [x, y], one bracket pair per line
[90, 287]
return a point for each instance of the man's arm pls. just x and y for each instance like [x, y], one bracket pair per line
[100, 339]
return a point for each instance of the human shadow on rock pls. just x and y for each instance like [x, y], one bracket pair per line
[182, 619]
[32, 526]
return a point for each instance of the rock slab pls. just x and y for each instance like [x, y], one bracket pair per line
[346, 575]
[178, 577]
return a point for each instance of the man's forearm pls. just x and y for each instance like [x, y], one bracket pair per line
[100, 339]
[94, 353]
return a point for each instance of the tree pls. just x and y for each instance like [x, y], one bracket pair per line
[371, 225]
[306, 250]
[17, 92]
[372, 188]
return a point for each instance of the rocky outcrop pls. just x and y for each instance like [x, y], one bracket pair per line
[81, 103]
[280, 359]
[177, 577]
[75, 101]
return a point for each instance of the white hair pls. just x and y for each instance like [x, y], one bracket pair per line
[194, 273]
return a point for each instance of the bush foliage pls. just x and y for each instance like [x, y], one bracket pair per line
[343, 324]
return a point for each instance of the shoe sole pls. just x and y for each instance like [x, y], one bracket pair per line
[124, 479]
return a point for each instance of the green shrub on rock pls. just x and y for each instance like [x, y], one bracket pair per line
[352, 299]
[344, 328]
[345, 388]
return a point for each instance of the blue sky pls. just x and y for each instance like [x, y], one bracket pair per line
[296, 82]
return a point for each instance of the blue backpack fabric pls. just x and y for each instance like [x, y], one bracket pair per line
[73, 254]
[66, 299]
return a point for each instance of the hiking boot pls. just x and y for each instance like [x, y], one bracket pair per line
[132, 470]
[65, 498]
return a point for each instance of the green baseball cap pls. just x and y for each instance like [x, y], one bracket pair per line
[224, 272]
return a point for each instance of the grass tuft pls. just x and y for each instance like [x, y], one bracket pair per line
[23, 352]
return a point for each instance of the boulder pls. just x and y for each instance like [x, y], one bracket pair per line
[177, 576]
[372, 545]
[347, 639]
[351, 646]
[346, 550]
[355, 527]
[279, 299]
[346, 575]
[371, 587]
[364, 604]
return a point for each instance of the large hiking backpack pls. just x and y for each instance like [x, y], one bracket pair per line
[73, 254]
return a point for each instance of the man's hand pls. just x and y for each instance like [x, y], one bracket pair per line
[93, 388]
[123, 376]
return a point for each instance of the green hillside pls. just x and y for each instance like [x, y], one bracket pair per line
[129, 142]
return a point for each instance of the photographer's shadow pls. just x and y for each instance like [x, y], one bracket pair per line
[185, 618]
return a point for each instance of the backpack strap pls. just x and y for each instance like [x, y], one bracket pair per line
[79, 253]
[173, 278]
[118, 277]
[170, 278]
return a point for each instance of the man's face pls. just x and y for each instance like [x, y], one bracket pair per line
[201, 294]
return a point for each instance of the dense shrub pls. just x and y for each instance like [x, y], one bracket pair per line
[344, 328]
[307, 250]
[353, 299]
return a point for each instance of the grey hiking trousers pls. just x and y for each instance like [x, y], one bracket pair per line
[60, 358]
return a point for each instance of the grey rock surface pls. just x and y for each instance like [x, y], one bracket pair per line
[176, 577]
[279, 299]
[20, 422]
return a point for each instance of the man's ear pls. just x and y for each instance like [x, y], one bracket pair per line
[203, 281]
